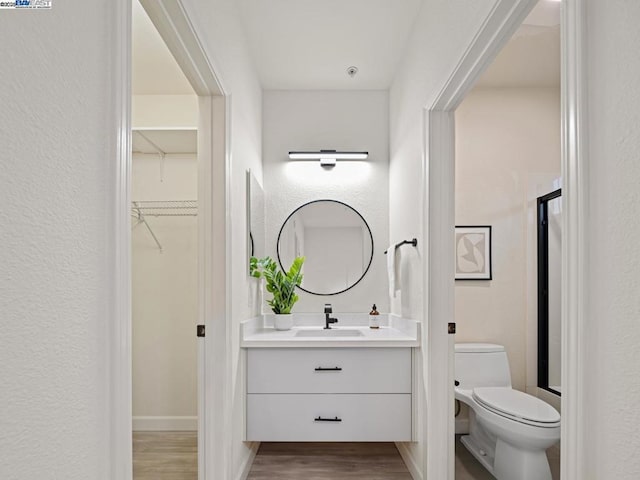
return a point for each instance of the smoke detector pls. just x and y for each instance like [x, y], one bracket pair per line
[351, 71]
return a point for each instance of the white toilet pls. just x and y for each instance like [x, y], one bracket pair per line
[509, 430]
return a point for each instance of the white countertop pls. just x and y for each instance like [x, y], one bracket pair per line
[256, 333]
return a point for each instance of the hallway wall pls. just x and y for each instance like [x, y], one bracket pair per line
[611, 439]
[56, 210]
[218, 25]
[442, 32]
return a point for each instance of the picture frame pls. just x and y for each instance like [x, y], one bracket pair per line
[473, 252]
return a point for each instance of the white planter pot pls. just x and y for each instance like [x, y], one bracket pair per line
[283, 322]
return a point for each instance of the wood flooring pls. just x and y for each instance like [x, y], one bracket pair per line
[328, 461]
[165, 456]
[173, 456]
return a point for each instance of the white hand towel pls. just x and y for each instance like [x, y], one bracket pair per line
[393, 270]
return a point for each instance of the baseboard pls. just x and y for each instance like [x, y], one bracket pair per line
[462, 426]
[409, 461]
[248, 462]
[158, 424]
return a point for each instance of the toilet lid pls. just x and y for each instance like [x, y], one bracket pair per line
[517, 405]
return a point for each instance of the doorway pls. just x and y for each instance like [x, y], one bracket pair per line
[164, 257]
[439, 181]
[171, 22]
[508, 149]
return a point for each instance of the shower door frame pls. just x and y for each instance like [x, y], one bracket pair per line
[543, 289]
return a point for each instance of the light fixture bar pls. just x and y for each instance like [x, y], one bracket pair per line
[328, 155]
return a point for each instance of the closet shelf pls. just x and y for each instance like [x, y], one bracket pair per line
[165, 141]
[165, 208]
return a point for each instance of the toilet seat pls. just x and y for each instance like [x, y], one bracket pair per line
[517, 406]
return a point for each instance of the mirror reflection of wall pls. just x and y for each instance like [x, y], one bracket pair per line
[555, 269]
[336, 241]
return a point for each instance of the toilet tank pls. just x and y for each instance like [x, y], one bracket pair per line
[481, 365]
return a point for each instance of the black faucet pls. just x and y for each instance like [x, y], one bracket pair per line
[328, 320]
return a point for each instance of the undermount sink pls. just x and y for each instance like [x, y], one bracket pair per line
[333, 332]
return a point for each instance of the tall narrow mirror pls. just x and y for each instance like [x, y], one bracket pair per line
[255, 217]
[549, 294]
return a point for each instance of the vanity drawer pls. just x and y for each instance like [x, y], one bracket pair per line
[319, 418]
[329, 370]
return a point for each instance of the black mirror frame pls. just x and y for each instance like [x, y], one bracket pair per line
[357, 213]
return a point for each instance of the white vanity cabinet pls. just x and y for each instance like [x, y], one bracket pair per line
[329, 394]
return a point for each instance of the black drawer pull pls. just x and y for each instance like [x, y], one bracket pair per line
[320, 419]
[334, 369]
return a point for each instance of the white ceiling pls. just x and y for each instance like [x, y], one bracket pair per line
[155, 71]
[309, 44]
[532, 56]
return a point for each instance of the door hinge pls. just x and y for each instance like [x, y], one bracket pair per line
[452, 328]
[200, 331]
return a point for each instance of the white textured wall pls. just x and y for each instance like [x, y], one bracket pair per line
[442, 32]
[56, 220]
[165, 292]
[507, 153]
[221, 33]
[611, 438]
[341, 120]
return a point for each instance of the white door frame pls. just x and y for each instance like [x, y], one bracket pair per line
[439, 222]
[172, 22]
[575, 195]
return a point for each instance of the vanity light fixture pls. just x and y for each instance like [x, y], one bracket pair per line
[328, 158]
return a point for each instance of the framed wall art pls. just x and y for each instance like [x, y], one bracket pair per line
[473, 252]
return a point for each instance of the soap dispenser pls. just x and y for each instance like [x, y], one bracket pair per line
[374, 317]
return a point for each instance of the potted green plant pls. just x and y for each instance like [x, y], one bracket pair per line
[282, 285]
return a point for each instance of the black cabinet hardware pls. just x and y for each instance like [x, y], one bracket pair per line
[333, 369]
[320, 419]
[200, 330]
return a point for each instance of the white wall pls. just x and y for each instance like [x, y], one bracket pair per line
[442, 32]
[507, 147]
[58, 137]
[165, 297]
[221, 33]
[164, 111]
[56, 217]
[164, 285]
[611, 438]
[341, 120]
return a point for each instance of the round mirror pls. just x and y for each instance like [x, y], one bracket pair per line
[336, 242]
